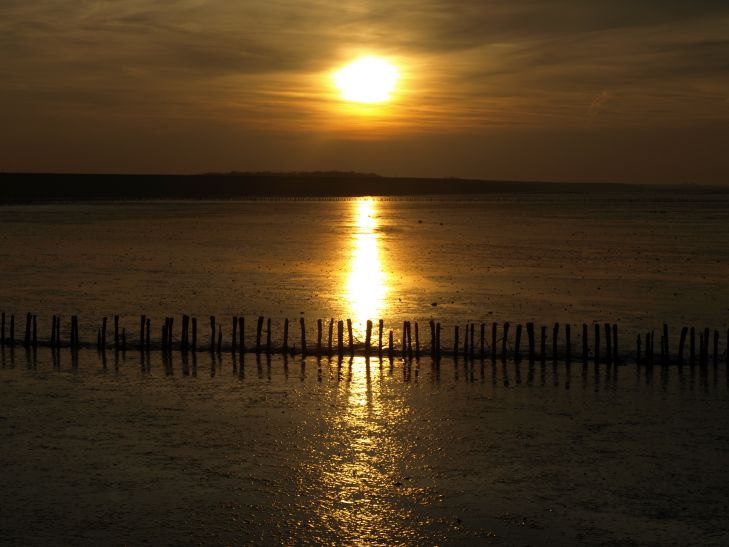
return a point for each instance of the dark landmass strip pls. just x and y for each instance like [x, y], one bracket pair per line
[32, 187]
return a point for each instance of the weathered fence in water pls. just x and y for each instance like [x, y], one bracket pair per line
[703, 345]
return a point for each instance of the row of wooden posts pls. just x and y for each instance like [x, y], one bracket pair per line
[469, 345]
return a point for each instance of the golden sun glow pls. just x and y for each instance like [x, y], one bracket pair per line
[367, 80]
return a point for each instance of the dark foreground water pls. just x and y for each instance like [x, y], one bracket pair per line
[218, 450]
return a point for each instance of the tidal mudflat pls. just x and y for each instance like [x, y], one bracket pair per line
[208, 448]
[638, 260]
[149, 449]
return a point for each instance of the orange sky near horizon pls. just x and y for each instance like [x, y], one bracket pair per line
[632, 91]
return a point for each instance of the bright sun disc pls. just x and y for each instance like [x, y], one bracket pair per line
[367, 80]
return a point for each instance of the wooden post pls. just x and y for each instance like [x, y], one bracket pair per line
[35, 331]
[585, 347]
[682, 344]
[242, 333]
[568, 343]
[455, 343]
[543, 348]
[170, 337]
[318, 337]
[103, 333]
[706, 346]
[351, 337]
[116, 333]
[483, 341]
[494, 326]
[530, 337]
[667, 351]
[381, 325]
[404, 339]
[183, 333]
[692, 347]
[220, 338]
[391, 349]
[303, 336]
[164, 335]
[286, 336]
[465, 342]
[517, 343]
[596, 350]
[616, 353]
[555, 338]
[608, 345]
[432, 338]
[701, 348]
[716, 347]
[53, 334]
[194, 334]
[340, 338]
[2, 330]
[410, 340]
[268, 336]
[504, 341]
[212, 333]
[649, 348]
[234, 338]
[186, 331]
[637, 350]
[417, 341]
[368, 338]
[470, 347]
[331, 337]
[259, 328]
[437, 340]
[142, 321]
[12, 330]
[26, 341]
[149, 338]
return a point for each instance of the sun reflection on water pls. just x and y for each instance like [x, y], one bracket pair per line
[359, 479]
[367, 282]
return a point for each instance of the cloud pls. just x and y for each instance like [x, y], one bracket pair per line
[474, 63]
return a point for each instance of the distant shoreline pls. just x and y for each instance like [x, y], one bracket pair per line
[43, 187]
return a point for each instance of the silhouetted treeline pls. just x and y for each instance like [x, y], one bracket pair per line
[21, 187]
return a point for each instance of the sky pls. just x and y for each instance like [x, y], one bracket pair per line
[568, 90]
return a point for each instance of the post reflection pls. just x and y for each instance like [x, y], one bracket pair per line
[366, 282]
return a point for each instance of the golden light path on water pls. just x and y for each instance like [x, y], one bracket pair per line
[367, 282]
[364, 452]
[361, 452]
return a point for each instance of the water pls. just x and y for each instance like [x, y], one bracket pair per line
[637, 260]
[222, 449]
[215, 450]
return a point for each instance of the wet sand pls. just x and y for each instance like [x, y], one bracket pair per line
[637, 260]
[219, 451]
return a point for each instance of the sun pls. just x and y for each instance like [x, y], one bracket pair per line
[367, 80]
